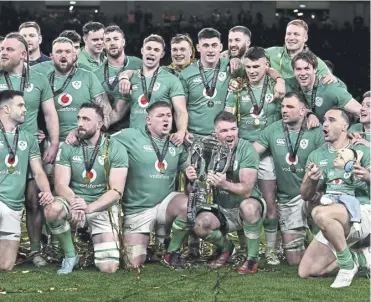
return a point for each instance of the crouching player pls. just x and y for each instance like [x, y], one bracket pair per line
[89, 182]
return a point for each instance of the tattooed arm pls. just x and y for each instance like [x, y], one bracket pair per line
[102, 100]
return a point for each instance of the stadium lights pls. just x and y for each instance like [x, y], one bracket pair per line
[313, 16]
[296, 10]
[96, 11]
[277, 14]
[71, 8]
[300, 14]
[72, 2]
[302, 5]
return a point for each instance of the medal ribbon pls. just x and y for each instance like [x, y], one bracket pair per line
[9, 82]
[258, 108]
[160, 156]
[294, 151]
[90, 162]
[116, 79]
[148, 93]
[12, 150]
[314, 93]
[209, 90]
[65, 84]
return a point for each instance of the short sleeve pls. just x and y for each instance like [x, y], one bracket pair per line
[46, 91]
[184, 83]
[34, 148]
[63, 158]
[96, 87]
[250, 159]
[119, 156]
[176, 88]
[231, 100]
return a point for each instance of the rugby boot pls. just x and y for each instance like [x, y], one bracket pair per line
[249, 267]
[222, 258]
[68, 264]
[174, 260]
[345, 277]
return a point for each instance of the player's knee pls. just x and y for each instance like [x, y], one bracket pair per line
[52, 212]
[202, 226]
[294, 245]
[319, 216]
[108, 268]
[6, 266]
[251, 210]
[303, 271]
[135, 254]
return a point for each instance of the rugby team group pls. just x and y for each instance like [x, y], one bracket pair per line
[90, 133]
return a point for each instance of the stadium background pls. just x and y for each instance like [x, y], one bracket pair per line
[338, 31]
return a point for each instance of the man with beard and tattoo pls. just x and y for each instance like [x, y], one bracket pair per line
[107, 74]
[89, 181]
[150, 201]
[32, 34]
[360, 133]
[239, 39]
[256, 108]
[16, 75]
[19, 152]
[153, 83]
[320, 97]
[73, 86]
[290, 142]
[92, 54]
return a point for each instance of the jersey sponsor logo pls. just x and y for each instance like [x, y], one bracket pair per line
[76, 84]
[3, 87]
[319, 101]
[65, 99]
[209, 97]
[147, 148]
[22, 145]
[172, 151]
[290, 160]
[235, 165]
[323, 162]
[142, 101]
[222, 76]
[58, 157]
[134, 87]
[337, 181]
[101, 160]
[77, 159]
[159, 165]
[29, 87]
[280, 142]
[269, 97]
[92, 175]
[11, 162]
[197, 80]
[156, 86]
[304, 143]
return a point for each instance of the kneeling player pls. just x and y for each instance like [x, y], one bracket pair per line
[89, 180]
[149, 199]
[237, 202]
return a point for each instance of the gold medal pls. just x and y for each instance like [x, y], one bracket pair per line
[256, 122]
[162, 170]
[86, 180]
[11, 170]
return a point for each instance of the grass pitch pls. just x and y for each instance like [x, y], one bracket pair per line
[158, 283]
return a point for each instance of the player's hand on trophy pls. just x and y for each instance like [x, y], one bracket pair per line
[217, 179]
[191, 173]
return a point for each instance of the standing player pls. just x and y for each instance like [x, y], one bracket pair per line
[153, 83]
[256, 109]
[89, 182]
[32, 34]
[320, 97]
[361, 131]
[341, 224]
[239, 39]
[290, 143]
[149, 199]
[92, 54]
[108, 72]
[16, 75]
[19, 151]
[182, 53]
[236, 199]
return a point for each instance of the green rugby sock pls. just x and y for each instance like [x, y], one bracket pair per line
[253, 233]
[179, 233]
[270, 229]
[35, 247]
[217, 238]
[345, 259]
[360, 258]
[62, 231]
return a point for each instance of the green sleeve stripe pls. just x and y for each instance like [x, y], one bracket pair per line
[106, 250]
[63, 165]
[108, 258]
[33, 157]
